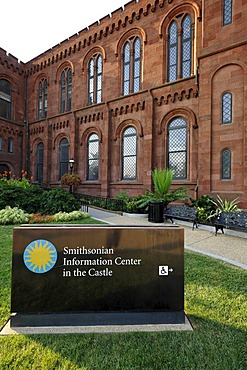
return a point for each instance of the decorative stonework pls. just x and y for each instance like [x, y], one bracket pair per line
[128, 109]
[36, 130]
[59, 125]
[177, 96]
[92, 117]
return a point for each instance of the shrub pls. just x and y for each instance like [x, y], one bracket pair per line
[37, 218]
[25, 198]
[205, 207]
[12, 216]
[71, 216]
[56, 200]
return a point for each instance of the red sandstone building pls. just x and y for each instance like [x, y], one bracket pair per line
[160, 83]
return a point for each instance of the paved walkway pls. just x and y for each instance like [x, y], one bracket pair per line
[230, 247]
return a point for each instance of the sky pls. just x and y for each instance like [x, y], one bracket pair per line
[29, 28]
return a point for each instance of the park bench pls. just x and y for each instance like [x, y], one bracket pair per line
[182, 213]
[231, 220]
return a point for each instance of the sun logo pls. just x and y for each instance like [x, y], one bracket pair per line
[40, 256]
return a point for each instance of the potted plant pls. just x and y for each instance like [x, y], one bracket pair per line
[162, 195]
[71, 179]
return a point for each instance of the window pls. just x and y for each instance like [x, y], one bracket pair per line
[5, 99]
[177, 147]
[129, 154]
[64, 157]
[173, 52]
[1, 143]
[227, 12]
[93, 157]
[186, 46]
[42, 99]
[180, 48]
[40, 161]
[95, 71]
[226, 108]
[226, 164]
[10, 146]
[132, 59]
[66, 90]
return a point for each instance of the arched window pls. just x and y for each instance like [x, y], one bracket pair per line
[227, 12]
[65, 90]
[93, 157]
[180, 46]
[95, 72]
[42, 99]
[177, 147]
[132, 64]
[129, 154]
[226, 164]
[63, 157]
[5, 99]
[40, 162]
[10, 145]
[226, 108]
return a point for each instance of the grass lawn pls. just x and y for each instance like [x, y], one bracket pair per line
[215, 302]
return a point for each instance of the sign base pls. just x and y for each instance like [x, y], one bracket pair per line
[107, 322]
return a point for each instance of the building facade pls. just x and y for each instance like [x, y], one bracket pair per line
[158, 83]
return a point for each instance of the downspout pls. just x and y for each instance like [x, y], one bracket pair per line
[27, 165]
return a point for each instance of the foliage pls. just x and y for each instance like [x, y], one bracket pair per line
[10, 179]
[26, 198]
[12, 216]
[57, 217]
[70, 216]
[162, 179]
[123, 195]
[130, 204]
[38, 218]
[71, 179]
[223, 205]
[205, 207]
[56, 200]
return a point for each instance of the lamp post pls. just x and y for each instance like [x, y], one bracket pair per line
[71, 166]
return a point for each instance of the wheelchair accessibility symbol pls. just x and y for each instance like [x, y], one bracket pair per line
[164, 270]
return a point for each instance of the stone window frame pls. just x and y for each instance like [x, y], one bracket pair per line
[129, 36]
[125, 156]
[10, 145]
[178, 14]
[223, 108]
[89, 160]
[84, 154]
[95, 79]
[62, 163]
[94, 52]
[39, 164]
[42, 94]
[224, 164]
[185, 150]
[227, 12]
[129, 62]
[2, 99]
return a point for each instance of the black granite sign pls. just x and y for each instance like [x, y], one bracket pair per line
[97, 268]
